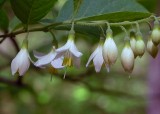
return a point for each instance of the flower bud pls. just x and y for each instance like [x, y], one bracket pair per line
[110, 51]
[151, 48]
[20, 64]
[140, 46]
[133, 42]
[155, 35]
[127, 58]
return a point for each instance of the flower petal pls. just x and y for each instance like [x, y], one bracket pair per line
[92, 55]
[14, 65]
[17, 61]
[65, 47]
[98, 61]
[45, 59]
[73, 49]
[60, 54]
[24, 66]
[37, 54]
[110, 51]
[57, 63]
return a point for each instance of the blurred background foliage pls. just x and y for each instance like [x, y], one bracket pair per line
[83, 91]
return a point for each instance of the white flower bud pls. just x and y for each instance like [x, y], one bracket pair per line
[155, 35]
[110, 51]
[151, 48]
[133, 42]
[127, 58]
[140, 46]
[21, 62]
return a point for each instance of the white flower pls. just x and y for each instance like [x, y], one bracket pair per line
[151, 48]
[140, 46]
[70, 53]
[127, 58]
[44, 60]
[21, 62]
[98, 59]
[133, 42]
[110, 51]
[155, 35]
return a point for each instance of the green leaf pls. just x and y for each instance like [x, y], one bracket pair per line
[99, 10]
[4, 21]
[95, 10]
[15, 24]
[2, 2]
[150, 5]
[77, 4]
[66, 12]
[31, 11]
[118, 16]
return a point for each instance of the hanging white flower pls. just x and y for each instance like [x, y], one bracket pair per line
[70, 52]
[155, 35]
[21, 62]
[44, 60]
[110, 51]
[151, 48]
[97, 58]
[140, 46]
[127, 58]
[133, 42]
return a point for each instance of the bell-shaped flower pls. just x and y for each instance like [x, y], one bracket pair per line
[140, 46]
[151, 48]
[110, 51]
[127, 58]
[133, 42]
[45, 60]
[21, 62]
[70, 52]
[155, 35]
[97, 58]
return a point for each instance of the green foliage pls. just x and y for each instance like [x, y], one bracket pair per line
[4, 21]
[101, 10]
[90, 10]
[2, 2]
[31, 11]
[83, 91]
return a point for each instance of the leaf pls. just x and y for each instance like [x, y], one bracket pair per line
[99, 10]
[2, 2]
[4, 21]
[95, 10]
[77, 4]
[66, 12]
[151, 5]
[15, 24]
[31, 11]
[118, 16]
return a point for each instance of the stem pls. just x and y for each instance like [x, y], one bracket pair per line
[102, 31]
[55, 42]
[127, 35]
[124, 31]
[138, 28]
[94, 23]
[89, 23]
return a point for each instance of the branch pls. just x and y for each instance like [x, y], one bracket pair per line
[13, 34]
[13, 83]
[89, 23]
[17, 84]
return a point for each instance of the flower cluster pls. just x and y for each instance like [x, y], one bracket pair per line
[105, 54]
[62, 57]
